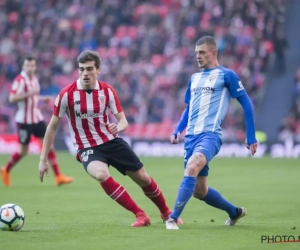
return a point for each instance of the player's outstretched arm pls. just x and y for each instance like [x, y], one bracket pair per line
[45, 97]
[246, 103]
[121, 126]
[13, 98]
[181, 125]
[47, 143]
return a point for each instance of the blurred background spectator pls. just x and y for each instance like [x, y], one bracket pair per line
[291, 124]
[147, 48]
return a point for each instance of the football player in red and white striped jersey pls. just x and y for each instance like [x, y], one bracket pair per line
[88, 112]
[87, 102]
[25, 93]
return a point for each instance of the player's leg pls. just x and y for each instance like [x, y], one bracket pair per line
[128, 163]
[186, 189]
[213, 198]
[199, 150]
[60, 179]
[149, 187]
[24, 133]
[97, 167]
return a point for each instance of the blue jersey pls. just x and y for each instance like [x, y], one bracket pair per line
[208, 95]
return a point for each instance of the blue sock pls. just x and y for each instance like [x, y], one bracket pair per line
[215, 199]
[185, 192]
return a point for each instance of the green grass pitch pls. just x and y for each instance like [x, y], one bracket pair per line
[80, 216]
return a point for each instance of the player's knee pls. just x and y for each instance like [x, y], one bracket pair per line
[99, 173]
[199, 160]
[195, 164]
[101, 176]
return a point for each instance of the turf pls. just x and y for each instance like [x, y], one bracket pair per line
[81, 216]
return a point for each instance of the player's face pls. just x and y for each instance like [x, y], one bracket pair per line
[29, 67]
[206, 56]
[88, 74]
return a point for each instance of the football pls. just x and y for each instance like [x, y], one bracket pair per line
[12, 217]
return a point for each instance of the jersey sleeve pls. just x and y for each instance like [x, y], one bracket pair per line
[187, 97]
[61, 104]
[114, 102]
[234, 84]
[18, 87]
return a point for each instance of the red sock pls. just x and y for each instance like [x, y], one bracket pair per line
[13, 161]
[153, 192]
[118, 193]
[53, 161]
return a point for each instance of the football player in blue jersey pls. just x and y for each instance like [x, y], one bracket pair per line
[207, 99]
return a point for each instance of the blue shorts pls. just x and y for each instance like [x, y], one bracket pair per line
[207, 143]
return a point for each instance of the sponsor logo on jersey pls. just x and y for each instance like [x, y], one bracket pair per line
[87, 116]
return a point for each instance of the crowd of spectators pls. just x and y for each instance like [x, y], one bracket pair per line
[290, 128]
[147, 50]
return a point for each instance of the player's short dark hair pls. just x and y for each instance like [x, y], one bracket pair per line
[29, 58]
[88, 56]
[209, 40]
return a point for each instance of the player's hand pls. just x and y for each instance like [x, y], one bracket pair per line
[174, 138]
[34, 91]
[47, 98]
[43, 168]
[113, 129]
[252, 147]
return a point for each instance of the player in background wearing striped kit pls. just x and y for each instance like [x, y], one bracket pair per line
[86, 102]
[207, 97]
[25, 93]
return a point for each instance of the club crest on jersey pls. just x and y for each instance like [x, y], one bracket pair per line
[102, 99]
[213, 77]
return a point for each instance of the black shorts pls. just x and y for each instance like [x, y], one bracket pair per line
[116, 153]
[26, 130]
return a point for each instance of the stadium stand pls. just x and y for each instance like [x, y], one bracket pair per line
[291, 124]
[147, 51]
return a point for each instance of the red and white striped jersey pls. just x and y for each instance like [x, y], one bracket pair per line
[28, 111]
[87, 112]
